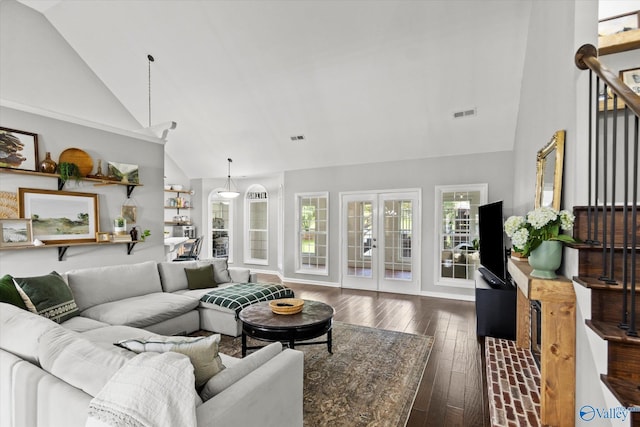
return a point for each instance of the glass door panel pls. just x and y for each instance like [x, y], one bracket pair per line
[359, 244]
[386, 259]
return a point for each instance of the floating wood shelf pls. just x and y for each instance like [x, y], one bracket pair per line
[620, 42]
[97, 181]
[62, 247]
[558, 347]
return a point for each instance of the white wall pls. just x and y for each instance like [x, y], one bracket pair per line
[496, 169]
[47, 89]
[56, 135]
[38, 68]
[203, 187]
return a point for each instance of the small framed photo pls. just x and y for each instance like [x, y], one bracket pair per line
[124, 172]
[129, 212]
[631, 77]
[15, 232]
[18, 149]
[102, 237]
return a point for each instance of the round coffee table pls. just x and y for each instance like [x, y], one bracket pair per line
[259, 322]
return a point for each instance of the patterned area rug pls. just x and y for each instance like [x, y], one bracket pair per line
[370, 379]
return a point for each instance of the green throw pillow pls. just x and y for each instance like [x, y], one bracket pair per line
[48, 296]
[200, 277]
[9, 293]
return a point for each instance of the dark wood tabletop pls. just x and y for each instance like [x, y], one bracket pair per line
[260, 322]
[260, 314]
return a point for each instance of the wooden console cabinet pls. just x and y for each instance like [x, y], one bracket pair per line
[558, 345]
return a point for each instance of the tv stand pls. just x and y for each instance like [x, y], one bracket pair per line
[495, 309]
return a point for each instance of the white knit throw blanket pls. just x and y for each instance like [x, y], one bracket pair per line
[150, 390]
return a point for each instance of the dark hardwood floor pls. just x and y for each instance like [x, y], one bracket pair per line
[452, 391]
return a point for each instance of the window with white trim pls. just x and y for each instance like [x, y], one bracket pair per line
[221, 226]
[257, 223]
[457, 256]
[312, 237]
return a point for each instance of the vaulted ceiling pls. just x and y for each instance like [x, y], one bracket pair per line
[363, 80]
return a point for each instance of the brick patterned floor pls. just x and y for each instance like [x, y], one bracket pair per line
[513, 384]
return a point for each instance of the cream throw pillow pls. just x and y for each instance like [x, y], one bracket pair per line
[202, 351]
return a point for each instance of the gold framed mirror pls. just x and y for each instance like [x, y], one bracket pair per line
[549, 172]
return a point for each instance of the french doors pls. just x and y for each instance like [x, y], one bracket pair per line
[380, 241]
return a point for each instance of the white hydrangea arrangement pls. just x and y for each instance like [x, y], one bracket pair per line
[539, 225]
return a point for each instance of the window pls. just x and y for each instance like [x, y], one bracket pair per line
[221, 226]
[257, 220]
[312, 219]
[457, 224]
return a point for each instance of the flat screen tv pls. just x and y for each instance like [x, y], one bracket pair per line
[492, 249]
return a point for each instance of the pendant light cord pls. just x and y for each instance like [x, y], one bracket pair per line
[150, 60]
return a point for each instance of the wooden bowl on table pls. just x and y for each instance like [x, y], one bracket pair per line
[287, 305]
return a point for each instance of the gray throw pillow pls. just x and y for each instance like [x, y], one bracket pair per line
[220, 269]
[202, 351]
[200, 277]
[48, 295]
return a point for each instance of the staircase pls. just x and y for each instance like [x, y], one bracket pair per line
[609, 227]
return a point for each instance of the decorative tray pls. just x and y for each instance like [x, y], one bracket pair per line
[287, 305]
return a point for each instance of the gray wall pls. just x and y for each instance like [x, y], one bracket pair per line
[57, 135]
[493, 168]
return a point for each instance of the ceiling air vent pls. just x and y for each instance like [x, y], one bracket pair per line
[298, 138]
[465, 113]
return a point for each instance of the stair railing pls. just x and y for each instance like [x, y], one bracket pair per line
[604, 164]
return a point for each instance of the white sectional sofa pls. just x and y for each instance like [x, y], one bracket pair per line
[51, 373]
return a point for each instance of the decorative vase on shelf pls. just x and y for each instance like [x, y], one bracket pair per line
[48, 165]
[546, 259]
[120, 226]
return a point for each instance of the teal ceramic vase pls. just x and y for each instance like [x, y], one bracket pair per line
[546, 259]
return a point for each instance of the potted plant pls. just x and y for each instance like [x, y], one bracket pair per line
[538, 236]
[69, 170]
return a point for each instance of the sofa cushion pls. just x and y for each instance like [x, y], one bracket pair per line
[48, 296]
[9, 293]
[200, 277]
[220, 269]
[82, 324]
[172, 275]
[77, 361]
[202, 351]
[93, 286]
[239, 370]
[20, 330]
[239, 274]
[142, 311]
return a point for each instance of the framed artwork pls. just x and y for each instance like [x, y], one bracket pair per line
[129, 212]
[15, 232]
[124, 172]
[102, 237]
[631, 78]
[18, 149]
[60, 216]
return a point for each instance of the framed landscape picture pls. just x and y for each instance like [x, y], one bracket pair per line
[60, 216]
[15, 232]
[18, 149]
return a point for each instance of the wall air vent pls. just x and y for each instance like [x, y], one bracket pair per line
[295, 138]
[465, 113]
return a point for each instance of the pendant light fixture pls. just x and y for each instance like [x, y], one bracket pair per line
[228, 192]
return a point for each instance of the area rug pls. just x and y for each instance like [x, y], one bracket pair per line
[371, 378]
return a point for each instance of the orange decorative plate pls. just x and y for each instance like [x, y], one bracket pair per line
[79, 157]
